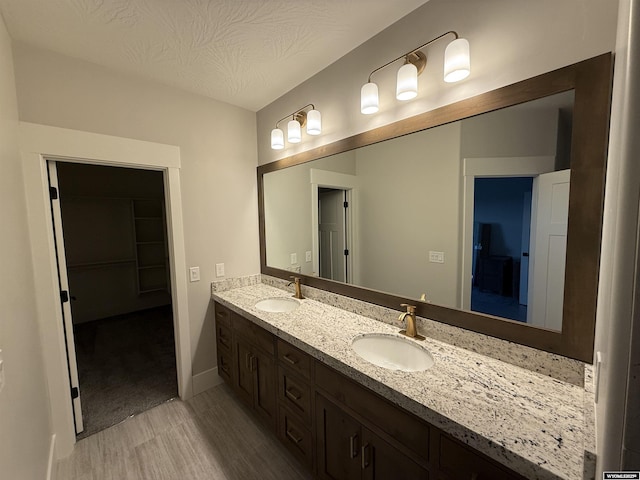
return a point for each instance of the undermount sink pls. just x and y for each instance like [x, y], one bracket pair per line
[278, 304]
[392, 353]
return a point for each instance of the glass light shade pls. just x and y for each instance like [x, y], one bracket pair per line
[457, 64]
[369, 98]
[277, 139]
[314, 122]
[294, 135]
[407, 83]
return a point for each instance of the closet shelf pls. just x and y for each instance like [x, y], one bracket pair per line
[105, 263]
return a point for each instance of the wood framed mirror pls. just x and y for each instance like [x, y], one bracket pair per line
[572, 288]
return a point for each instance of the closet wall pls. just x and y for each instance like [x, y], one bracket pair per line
[115, 239]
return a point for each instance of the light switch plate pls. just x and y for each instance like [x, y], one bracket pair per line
[308, 256]
[194, 274]
[436, 257]
[294, 258]
[219, 269]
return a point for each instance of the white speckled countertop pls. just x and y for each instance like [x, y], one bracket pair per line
[531, 423]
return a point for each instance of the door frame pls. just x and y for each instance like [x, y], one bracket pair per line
[39, 143]
[338, 181]
[492, 167]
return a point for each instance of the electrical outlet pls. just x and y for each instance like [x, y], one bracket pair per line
[436, 257]
[219, 269]
[194, 274]
[308, 256]
[294, 258]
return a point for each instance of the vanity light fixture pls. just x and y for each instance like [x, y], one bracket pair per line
[312, 119]
[457, 66]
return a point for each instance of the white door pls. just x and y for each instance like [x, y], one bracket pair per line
[526, 245]
[331, 232]
[65, 296]
[549, 246]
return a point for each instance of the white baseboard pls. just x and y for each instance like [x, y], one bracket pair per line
[51, 467]
[206, 380]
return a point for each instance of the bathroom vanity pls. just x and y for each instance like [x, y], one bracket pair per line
[467, 416]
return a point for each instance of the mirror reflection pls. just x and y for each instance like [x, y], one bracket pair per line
[470, 215]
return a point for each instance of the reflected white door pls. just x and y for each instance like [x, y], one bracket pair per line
[548, 249]
[65, 296]
[331, 233]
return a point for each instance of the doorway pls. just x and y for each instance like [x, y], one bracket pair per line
[502, 222]
[111, 238]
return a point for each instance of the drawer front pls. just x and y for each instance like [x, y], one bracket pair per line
[294, 359]
[405, 428]
[223, 315]
[225, 366]
[460, 461]
[223, 337]
[296, 437]
[256, 335]
[295, 394]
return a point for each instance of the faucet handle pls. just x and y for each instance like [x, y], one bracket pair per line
[410, 308]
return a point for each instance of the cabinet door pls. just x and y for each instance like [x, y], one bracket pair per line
[264, 389]
[380, 461]
[337, 443]
[244, 380]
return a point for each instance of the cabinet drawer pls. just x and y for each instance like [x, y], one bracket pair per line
[295, 394]
[296, 437]
[460, 461]
[405, 428]
[223, 337]
[256, 335]
[225, 366]
[223, 315]
[294, 359]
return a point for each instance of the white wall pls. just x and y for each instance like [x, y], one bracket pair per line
[218, 160]
[24, 409]
[509, 40]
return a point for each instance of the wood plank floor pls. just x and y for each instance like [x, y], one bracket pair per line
[212, 436]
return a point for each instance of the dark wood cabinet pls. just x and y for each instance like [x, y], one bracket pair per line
[455, 460]
[348, 450]
[381, 461]
[338, 441]
[256, 379]
[246, 361]
[338, 428]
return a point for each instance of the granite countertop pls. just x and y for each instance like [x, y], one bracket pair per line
[531, 423]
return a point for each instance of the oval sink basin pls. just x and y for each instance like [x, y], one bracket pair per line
[277, 304]
[392, 353]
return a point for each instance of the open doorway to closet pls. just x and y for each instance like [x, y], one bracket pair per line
[111, 238]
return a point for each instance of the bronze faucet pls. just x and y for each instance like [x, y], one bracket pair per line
[410, 317]
[296, 281]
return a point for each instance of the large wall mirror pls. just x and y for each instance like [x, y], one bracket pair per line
[486, 214]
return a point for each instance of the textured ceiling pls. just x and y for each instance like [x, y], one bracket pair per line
[245, 52]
